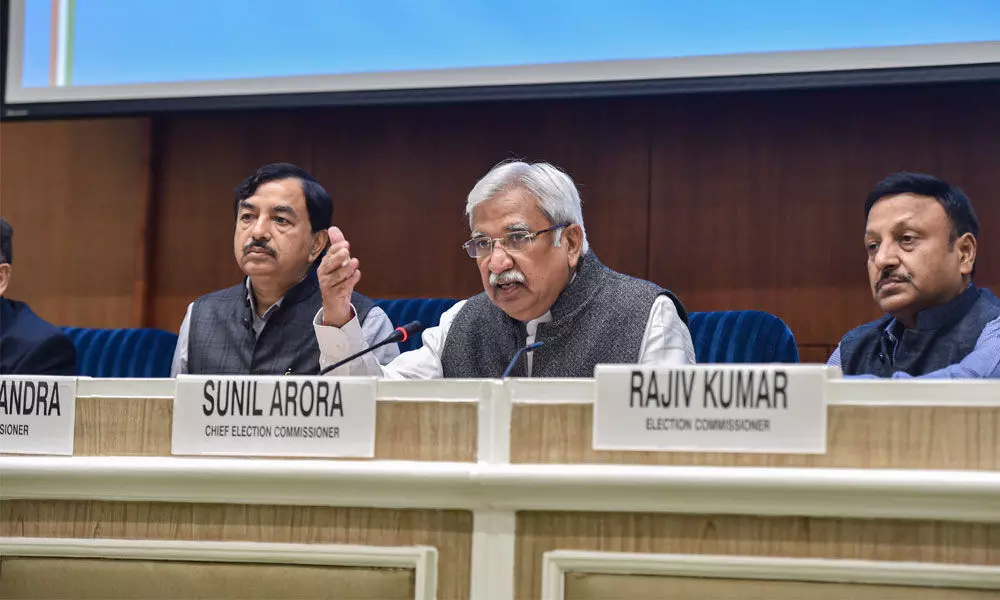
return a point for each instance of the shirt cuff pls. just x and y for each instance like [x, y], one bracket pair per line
[337, 343]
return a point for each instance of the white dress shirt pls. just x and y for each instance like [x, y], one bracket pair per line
[376, 328]
[665, 341]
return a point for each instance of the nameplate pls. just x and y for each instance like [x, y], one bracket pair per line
[37, 414]
[274, 416]
[711, 408]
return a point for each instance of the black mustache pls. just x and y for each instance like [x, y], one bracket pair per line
[889, 275]
[259, 243]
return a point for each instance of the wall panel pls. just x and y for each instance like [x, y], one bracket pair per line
[758, 199]
[739, 200]
[76, 194]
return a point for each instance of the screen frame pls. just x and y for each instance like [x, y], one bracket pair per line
[863, 77]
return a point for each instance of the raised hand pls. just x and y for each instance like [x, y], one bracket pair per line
[338, 273]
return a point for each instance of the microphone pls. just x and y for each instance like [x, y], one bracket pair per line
[401, 334]
[517, 355]
[248, 325]
[247, 321]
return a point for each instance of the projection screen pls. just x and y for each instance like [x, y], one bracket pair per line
[66, 57]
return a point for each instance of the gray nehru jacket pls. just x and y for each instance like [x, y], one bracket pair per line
[599, 318]
[222, 340]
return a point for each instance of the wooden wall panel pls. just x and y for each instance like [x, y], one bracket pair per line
[402, 176]
[75, 193]
[758, 199]
[203, 158]
[399, 177]
[739, 200]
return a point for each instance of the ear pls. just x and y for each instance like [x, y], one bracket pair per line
[5, 270]
[572, 238]
[966, 247]
[319, 240]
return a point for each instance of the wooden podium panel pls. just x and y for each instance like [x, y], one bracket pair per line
[432, 431]
[122, 426]
[102, 579]
[580, 586]
[930, 542]
[497, 477]
[423, 421]
[858, 436]
[449, 531]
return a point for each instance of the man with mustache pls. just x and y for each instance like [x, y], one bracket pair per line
[921, 243]
[542, 284]
[263, 325]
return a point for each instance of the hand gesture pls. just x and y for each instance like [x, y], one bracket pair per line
[338, 274]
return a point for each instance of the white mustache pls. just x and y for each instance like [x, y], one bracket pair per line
[508, 276]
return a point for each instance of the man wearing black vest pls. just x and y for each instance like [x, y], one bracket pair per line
[542, 284]
[263, 325]
[921, 243]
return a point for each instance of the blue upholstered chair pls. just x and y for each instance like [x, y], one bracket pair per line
[741, 336]
[426, 310]
[122, 352]
[738, 336]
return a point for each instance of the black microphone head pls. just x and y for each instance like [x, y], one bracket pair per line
[413, 327]
[400, 334]
[404, 332]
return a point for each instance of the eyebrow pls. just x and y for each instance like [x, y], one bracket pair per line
[512, 227]
[247, 205]
[284, 209]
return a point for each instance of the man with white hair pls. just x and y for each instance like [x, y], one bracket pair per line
[542, 284]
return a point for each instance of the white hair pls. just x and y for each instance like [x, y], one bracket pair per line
[554, 192]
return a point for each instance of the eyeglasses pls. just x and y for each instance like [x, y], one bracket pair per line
[515, 241]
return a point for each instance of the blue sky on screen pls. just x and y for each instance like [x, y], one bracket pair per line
[35, 62]
[145, 41]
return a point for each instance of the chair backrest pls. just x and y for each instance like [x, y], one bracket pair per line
[426, 310]
[735, 336]
[122, 352]
[741, 336]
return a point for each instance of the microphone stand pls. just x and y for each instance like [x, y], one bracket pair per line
[517, 355]
[401, 334]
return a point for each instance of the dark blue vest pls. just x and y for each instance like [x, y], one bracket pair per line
[221, 340]
[943, 336]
